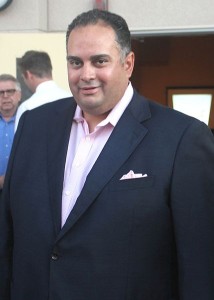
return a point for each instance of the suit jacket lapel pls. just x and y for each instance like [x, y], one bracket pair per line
[58, 138]
[127, 134]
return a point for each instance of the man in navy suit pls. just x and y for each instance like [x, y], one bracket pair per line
[108, 196]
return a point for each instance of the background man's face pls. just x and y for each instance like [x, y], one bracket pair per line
[9, 100]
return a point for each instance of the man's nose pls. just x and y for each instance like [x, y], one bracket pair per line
[88, 72]
[5, 94]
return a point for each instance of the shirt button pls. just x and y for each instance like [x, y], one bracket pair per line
[54, 256]
[67, 193]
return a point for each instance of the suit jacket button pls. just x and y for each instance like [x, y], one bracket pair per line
[54, 256]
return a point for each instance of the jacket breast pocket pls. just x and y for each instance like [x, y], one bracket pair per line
[135, 183]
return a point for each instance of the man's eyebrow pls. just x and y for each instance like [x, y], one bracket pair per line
[93, 57]
[97, 56]
[70, 57]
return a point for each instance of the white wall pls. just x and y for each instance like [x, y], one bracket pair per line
[166, 14]
[141, 15]
[22, 15]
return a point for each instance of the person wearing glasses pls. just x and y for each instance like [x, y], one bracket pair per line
[10, 96]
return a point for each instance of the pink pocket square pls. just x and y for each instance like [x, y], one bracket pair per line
[132, 175]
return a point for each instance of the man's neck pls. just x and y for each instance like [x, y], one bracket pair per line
[7, 116]
[93, 120]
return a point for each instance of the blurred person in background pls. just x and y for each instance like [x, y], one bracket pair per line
[36, 69]
[10, 96]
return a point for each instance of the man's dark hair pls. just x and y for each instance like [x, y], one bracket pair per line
[116, 22]
[37, 62]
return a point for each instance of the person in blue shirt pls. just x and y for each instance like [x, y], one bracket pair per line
[10, 96]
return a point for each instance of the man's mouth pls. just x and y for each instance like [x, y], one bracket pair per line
[89, 89]
[6, 103]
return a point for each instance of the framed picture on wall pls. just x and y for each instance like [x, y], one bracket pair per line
[197, 102]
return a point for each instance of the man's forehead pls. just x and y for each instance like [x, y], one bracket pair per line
[90, 37]
[100, 27]
[7, 83]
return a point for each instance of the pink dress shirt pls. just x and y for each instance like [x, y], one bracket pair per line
[84, 149]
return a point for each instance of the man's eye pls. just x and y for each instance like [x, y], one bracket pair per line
[74, 63]
[101, 61]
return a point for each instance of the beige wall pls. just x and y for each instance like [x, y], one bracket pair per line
[13, 45]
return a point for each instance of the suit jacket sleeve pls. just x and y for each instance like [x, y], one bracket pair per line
[6, 228]
[192, 204]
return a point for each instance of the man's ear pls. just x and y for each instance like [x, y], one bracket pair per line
[129, 63]
[27, 74]
[20, 96]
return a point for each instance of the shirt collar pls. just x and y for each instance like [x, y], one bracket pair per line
[115, 114]
[45, 85]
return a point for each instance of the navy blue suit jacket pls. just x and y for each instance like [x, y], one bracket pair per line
[149, 238]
